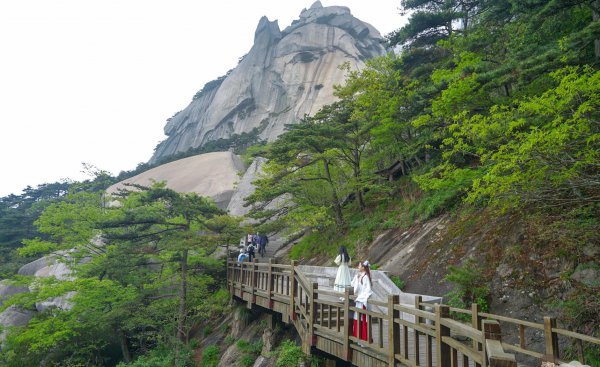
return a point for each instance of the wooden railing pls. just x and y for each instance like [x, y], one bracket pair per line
[420, 334]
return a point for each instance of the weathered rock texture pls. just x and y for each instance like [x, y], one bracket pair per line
[284, 76]
[213, 175]
[245, 188]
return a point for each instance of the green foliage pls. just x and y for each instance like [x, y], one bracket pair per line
[289, 354]
[250, 350]
[247, 360]
[237, 142]
[470, 286]
[211, 356]
[248, 347]
[310, 245]
[153, 226]
[398, 282]
[162, 356]
[549, 147]
[17, 216]
[229, 340]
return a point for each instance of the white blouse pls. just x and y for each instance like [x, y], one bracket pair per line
[362, 287]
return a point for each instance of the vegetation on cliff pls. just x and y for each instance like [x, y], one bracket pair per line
[490, 106]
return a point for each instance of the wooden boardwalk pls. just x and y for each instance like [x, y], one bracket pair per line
[417, 334]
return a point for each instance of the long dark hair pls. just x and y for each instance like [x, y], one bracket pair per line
[344, 253]
[367, 268]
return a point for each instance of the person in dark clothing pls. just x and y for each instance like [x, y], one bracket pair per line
[263, 240]
[251, 251]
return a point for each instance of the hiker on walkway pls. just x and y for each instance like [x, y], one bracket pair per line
[251, 249]
[242, 256]
[263, 240]
[342, 278]
[362, 290]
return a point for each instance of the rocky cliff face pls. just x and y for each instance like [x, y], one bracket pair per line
[286, 75]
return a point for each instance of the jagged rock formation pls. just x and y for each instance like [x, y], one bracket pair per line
[286, 75]
[213, 175]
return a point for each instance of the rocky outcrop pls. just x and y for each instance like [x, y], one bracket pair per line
[245, 188]
[284, 76]
[47, 266]
[213, 175]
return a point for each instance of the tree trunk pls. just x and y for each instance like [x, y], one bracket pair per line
[359, 192]
[182, 300]
[595, 18]
[339, 217]
[124, 347]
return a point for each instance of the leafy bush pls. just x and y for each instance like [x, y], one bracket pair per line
[398, 282]
[247, 347]
[471, 286]
[210, 356]
[250, 350]
[163, 356]
[247, 360]
[289, 354]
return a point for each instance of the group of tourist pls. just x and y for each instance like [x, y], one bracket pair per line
[361, 282]
[250, 244]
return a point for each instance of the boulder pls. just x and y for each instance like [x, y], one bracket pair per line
[13, 316]
[7, 290]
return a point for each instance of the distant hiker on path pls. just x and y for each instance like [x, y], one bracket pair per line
[251, 251]
[263, 240]
[242, 256]
[342, 278]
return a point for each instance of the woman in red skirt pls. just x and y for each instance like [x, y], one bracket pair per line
[362, 290]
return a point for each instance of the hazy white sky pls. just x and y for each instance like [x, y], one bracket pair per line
[95, 80]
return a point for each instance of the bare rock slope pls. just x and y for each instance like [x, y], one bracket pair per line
[284, 76]
[214, 175]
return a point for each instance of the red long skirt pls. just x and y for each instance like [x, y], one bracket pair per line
[360, 329]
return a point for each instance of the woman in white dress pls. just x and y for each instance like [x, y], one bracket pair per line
[362, 290]
[342, 278]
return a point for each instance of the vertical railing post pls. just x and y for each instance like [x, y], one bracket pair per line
[418, 321]
[491, 331]
[270, 285]
[242, 278]
[252, 284]
[313, 316]
[292, 290]
[551, 339]
[443, 349]
[229, 276]
[495, 355]
[347, 322]
[476, 324]
[227, 266]
[393, 329]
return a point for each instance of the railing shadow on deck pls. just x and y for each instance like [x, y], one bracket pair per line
[399, 334]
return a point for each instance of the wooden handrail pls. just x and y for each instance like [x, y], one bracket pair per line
[325, 323]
